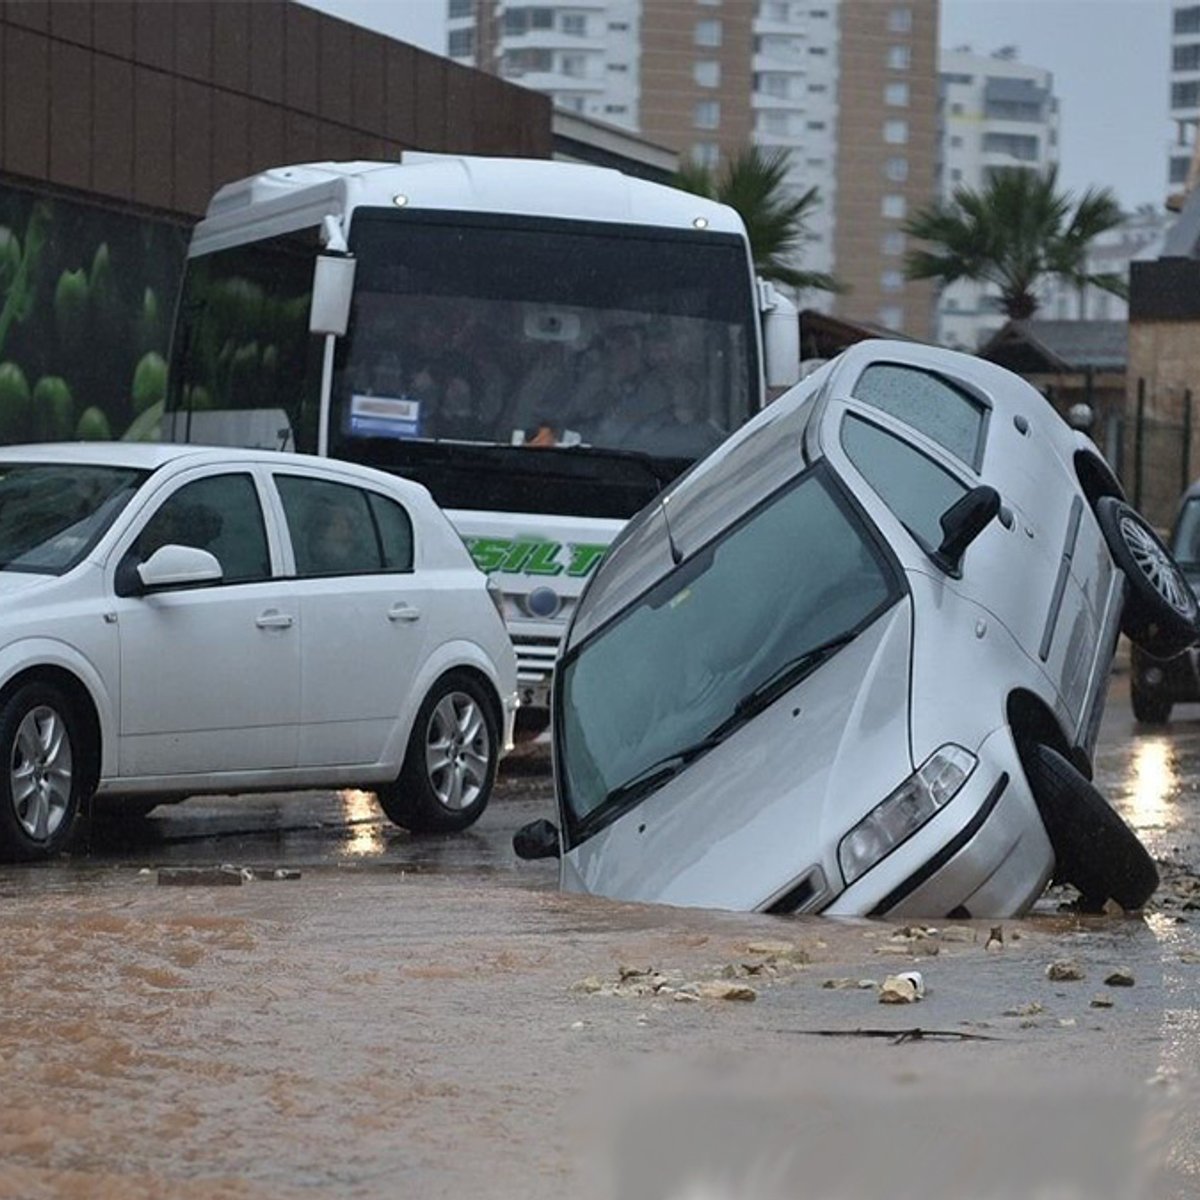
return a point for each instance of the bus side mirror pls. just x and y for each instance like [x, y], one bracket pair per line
[333, 287]
[781, 337]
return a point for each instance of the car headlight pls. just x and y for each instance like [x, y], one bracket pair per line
[932, 786]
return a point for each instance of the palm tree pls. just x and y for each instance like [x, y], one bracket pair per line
[1011, 232]
[754, 183]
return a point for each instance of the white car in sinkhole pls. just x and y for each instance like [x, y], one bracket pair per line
[855, 661]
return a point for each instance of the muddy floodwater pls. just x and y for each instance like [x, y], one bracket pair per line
[430, 1018]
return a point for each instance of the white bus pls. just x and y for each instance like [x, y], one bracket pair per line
[543, 345]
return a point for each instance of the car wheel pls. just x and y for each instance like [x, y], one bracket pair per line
[1094, 849]
[1161, 613]
[40, 784]
[450, 765]
[1149, 709]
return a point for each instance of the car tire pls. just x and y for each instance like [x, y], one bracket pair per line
[1161, 613]
[1095, 851]
[41, 783]
[450, 765]
[1149, 709]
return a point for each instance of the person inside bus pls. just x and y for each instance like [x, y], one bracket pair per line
[623, 397]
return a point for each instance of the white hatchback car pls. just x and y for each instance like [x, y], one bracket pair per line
[855, 661]
[180, 620]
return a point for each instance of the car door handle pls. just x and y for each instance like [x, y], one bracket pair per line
[273, 620]
[403, 612]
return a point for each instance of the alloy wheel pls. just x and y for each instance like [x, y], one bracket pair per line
[457, 751]
[1159, 569]
[40, 772]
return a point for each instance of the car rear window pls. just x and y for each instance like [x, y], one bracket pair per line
[930, 404]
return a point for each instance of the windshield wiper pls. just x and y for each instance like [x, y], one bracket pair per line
[786, 676]
[647, 780]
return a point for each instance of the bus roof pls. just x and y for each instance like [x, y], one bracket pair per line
[300, 196]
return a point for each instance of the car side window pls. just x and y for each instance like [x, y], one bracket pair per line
[220, 514]
[395, 532]
[930, 404]
[910, 483]
[341, 530]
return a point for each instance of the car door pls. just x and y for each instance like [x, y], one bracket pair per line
[210, 675]
[363, 615]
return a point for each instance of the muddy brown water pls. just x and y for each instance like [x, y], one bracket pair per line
[413, 1021]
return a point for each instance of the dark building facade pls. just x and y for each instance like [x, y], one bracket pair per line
[118, 121]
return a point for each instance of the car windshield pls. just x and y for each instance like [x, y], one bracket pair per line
[52, 514]
[714, 642]
[1186, 542]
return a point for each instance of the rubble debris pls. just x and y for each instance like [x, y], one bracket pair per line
[779, 952]
[905, 988]
[1032, 1009]
[633, 971]
[1064, 970]
[841, 984]
[1189, 956]
[589, 986]
[899, 1037]
[719, 989]
[223, 876]
[1102, 1001]
[958, 933]
[1122, 977]
[995, 939]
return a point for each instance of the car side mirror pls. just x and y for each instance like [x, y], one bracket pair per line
[538, 839]
[962, 523]
[178, 566]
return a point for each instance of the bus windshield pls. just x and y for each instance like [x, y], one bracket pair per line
[525, 332]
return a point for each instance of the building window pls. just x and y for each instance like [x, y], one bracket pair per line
[956, 110]
[895, 95]
[819, 14]
[616, 109]
[777, 86]
[891, 316]
[952, 77]
[573, 65]
[891, 281]
[1185, 95]
[618, 67]
[956, 142]
[519, 62]
[894, 207]
[1021, 146]
[706, 114]
[574, 24]
[708, 33]
[461, 8]
[461, 43]
[895, 133]
[818, 50]
[892, 244]
[817, 126]
[706, 154]
[777, 124]
[896, 169]
[899, 58]
[955, 176]
[900, 20]
[618, 26]
[775, 10]
[1179, 169]
[817, 88]
[541, 18]
[1187, 20]
[710, 3]
[707, 73]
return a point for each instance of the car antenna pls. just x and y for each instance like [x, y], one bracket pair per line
[676, 557]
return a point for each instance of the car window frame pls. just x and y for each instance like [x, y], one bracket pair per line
[169, 487]
[363, 487]
[972, 393]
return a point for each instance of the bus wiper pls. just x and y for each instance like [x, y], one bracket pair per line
[787, 676]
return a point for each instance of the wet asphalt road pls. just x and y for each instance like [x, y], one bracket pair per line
[428, 1017]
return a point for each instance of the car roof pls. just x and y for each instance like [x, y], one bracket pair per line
[150, 456]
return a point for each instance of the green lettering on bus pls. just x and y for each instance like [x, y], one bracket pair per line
[534, 556]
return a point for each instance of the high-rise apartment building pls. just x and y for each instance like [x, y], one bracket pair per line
[848, 87]
[1183, 171]
[997, 113]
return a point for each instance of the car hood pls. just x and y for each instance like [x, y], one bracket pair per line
[741, 825]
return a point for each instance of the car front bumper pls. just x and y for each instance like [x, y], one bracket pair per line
[986, 854]
[1175, 679]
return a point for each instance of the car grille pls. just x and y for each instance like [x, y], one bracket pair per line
[535, 658]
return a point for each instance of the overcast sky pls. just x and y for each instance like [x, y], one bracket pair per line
[1110, 60]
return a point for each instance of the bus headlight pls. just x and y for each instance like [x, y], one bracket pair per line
[933, 785]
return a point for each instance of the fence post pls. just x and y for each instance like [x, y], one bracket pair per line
[1187, 439]
[1139, 437]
